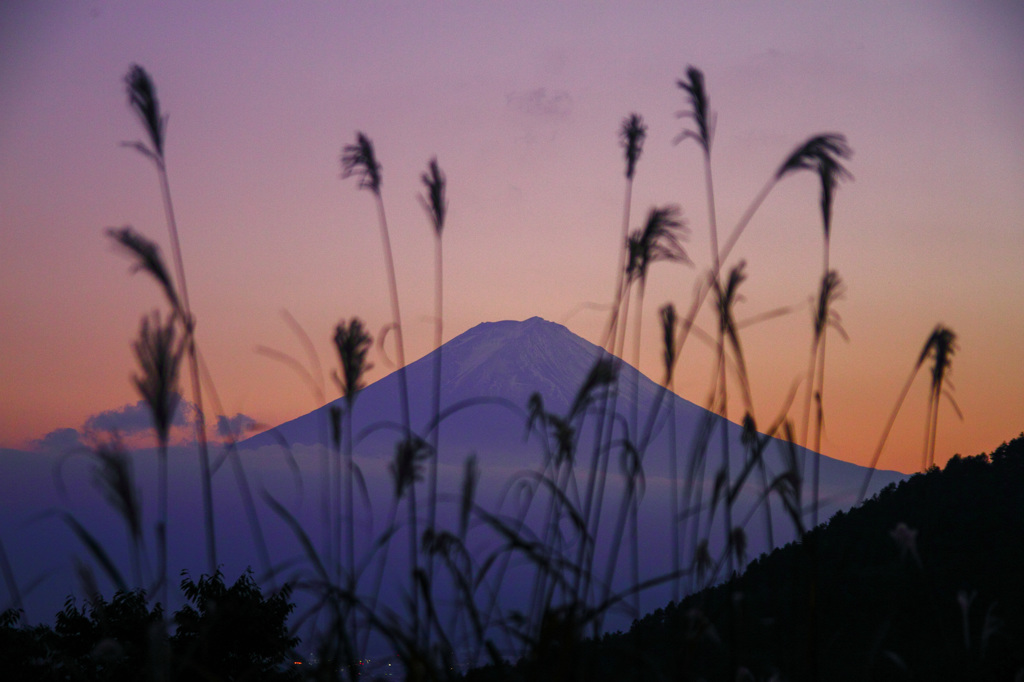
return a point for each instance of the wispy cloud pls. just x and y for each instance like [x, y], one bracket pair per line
[134, 418]
[58, 441]
[235, 426]
[135, 423]
[541, 103]
[539, 114]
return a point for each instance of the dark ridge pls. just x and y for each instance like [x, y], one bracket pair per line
[922, 581]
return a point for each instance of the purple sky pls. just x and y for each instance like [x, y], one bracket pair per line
[521, 103]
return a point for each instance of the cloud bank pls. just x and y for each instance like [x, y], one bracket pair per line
[135, 422]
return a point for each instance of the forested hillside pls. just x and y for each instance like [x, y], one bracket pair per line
[923, 581]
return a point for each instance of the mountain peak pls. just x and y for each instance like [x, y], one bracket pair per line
[513, 328]
[515, 359]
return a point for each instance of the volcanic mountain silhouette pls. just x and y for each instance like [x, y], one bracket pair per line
[489, 374]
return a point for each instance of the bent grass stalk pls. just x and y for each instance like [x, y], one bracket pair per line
[940, 345]
[143, 100]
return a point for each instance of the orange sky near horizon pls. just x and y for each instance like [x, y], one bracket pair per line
[521, 103]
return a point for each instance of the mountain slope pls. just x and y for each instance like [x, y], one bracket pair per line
[510, 361]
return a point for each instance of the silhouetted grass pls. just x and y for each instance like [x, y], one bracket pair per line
[143, 101]
[555, 517]
[436, 205]
[159, 352]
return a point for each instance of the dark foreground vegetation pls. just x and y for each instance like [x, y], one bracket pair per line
[224, 632]
[925, 581]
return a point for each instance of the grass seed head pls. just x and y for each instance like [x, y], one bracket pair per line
[360, 159]
[143, 101]
[435, 203]
[632, 135]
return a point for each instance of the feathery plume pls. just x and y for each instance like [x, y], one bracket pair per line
[159, 353]
[143, 101]
[699, 111]
[360, 159]
[435, 203]
[147, 258]
[632, 135]
[659, 239]
[353, 342]
[821, 153]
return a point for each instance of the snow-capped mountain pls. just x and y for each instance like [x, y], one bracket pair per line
[490, 373]
[488, 376]
[507, 360]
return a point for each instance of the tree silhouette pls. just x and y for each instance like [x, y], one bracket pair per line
[232, 632]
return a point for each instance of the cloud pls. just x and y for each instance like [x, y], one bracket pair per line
[135, 423]
[58, 441]
[131, 419]
[235, 426]
[541, 103]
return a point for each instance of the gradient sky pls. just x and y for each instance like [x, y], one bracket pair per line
[521, 102]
